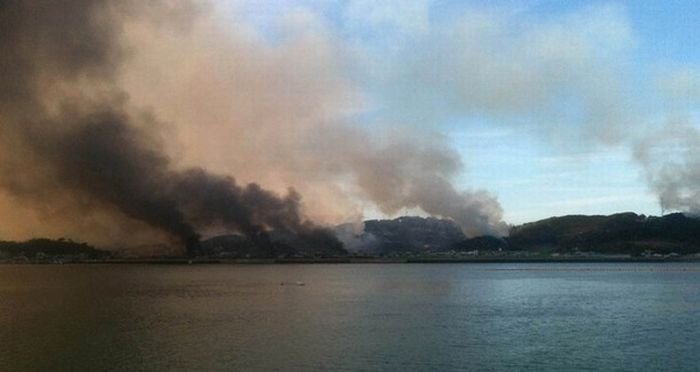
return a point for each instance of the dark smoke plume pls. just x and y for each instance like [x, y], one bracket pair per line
[68, 131]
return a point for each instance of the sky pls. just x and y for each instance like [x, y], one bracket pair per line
[161, 122]
[534, 172]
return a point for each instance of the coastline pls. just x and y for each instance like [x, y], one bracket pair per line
[358, 260]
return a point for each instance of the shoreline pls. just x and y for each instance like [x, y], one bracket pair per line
[356, 260]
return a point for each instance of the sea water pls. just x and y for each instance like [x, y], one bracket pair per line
[350, 317]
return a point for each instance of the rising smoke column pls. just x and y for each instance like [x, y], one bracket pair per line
[404, 171]
[669, 151]
[68, 131]
[670, 158]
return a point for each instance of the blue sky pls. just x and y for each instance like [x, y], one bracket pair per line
[546, 102]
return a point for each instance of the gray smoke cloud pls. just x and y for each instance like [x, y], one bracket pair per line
[70, 135]
[671, 161]
[564, 80]
[408, 172]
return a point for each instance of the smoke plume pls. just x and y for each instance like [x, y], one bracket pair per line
[305, 130]
[399, 171]
[70, 135]
[122, 119]
[671, 161]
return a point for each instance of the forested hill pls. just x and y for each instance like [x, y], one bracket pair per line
[46, 248]
[623, 233]
[618, 233]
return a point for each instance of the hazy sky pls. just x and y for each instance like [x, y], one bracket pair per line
[543, 100]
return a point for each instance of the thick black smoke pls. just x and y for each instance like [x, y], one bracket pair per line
[67, 129]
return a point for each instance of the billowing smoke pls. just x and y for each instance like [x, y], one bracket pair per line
[670, 152]
[564, 79]
[70, 136]
[122, 118]
[671, 161]
[306, 131]
[407, 172]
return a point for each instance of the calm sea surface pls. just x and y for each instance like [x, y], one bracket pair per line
[372, 317]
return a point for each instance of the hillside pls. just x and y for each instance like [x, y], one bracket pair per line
[403, 235]
[43, 249]
[272, 245]
[628, 233]
[623, 233]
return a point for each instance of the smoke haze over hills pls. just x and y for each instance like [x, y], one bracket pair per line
[124, 123]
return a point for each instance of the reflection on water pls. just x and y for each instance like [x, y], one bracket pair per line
[350, 317]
